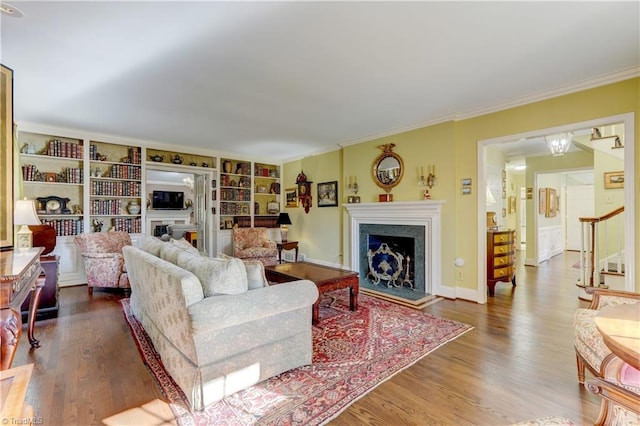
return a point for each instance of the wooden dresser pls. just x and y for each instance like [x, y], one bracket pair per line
[501, 258]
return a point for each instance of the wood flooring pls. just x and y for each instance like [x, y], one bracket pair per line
[517, 364]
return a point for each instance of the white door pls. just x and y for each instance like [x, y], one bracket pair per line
[580, 203]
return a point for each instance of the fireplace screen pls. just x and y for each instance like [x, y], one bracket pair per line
[390, 261]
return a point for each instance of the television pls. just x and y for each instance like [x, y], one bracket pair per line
[167, 200]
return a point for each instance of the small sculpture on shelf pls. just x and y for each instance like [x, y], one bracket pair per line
[157, 158]
[97, 225]
[176, 159]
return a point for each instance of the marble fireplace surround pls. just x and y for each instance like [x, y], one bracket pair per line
[425, 213]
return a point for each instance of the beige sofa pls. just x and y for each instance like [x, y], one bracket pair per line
[216, 323]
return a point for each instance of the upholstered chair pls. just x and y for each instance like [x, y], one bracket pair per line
[103, 260]
[591, 352]
[620, 393]
[254, 244]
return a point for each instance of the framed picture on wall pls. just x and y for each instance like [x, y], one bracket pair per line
[613, 180]
[512, 204]
[551, 203]
[291, 197]
[542, 201]
[328, 194]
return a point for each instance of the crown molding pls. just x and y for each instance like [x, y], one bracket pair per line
[602, 80]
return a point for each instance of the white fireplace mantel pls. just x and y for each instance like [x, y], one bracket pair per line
[425, 213]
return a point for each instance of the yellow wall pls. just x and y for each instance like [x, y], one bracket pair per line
[452, 147]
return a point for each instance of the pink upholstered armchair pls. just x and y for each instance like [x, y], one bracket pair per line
[103, 260]
[254, 244]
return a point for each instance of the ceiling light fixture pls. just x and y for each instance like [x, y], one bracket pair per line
[7, 9]
[559, 143]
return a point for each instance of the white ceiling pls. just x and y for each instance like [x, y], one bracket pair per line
[284, 80]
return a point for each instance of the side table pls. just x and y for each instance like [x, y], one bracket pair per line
[287, 245]
[20, 274]
[48, 306]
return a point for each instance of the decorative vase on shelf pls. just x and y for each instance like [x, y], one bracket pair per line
[133, 207]
[227, 166]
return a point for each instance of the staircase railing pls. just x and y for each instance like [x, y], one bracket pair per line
[602, 246]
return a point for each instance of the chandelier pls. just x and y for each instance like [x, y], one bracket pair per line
[559, 143]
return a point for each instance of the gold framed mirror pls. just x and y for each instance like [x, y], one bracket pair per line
[6, 158]
[388, 168]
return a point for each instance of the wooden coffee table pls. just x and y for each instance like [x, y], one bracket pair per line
[326, 279]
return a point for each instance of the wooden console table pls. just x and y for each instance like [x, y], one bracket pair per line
[20, 274]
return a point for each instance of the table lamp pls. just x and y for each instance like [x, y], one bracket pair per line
[283, 221]
[25, 215]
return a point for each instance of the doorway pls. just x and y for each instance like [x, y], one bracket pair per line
[531, 199]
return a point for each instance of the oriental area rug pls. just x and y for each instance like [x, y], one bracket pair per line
[353, 352]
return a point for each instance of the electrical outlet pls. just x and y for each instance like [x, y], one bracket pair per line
[460, 276]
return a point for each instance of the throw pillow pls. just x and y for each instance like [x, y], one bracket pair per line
[255, 272]
[152, 245]
[184, 245]
[217, 276]
[170, 253]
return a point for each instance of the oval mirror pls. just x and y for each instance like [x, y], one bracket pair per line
[388, 168]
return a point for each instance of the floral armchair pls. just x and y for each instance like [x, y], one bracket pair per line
[254, 244]
[103, 260]
[591, 352]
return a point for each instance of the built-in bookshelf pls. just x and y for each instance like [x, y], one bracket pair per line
[267, 194]
[235, 193]
[115, 187]
[53, 175]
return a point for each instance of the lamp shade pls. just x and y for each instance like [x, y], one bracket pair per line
[559, 143]
[284, 219]
[25, 213]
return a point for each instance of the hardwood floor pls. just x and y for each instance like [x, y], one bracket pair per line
[517, 364]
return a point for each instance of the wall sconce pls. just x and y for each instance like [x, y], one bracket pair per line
[353, 185]
[559, 143]
[188, 182]
[25, 214]
[431, 179]
[353, 189]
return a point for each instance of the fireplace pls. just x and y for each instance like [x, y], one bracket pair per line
[395, 247]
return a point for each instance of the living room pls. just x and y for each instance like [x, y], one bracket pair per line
[452, 146]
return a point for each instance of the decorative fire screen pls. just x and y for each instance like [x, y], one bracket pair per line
[387, 265]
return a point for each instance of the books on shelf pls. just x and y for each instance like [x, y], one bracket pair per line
[58, 148]
[65, 227]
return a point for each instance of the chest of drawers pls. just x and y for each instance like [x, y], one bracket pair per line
[501, 252]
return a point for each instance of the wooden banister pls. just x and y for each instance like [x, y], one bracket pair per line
[603, 217]
[592, 225]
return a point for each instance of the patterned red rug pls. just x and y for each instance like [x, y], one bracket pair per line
[353, 352]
